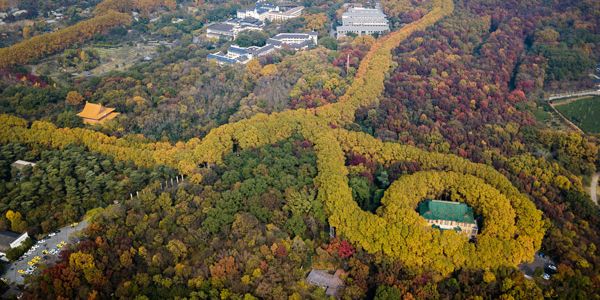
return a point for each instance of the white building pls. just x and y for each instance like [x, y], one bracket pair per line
[296, 41]
[20, 164]
[19, 12]
[267, 11]
[231, 28]
[240, 55]
[10, 240]
[257, 12]
[359, 20]
[280, 16]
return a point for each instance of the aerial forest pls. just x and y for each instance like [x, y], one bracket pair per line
[297, 161]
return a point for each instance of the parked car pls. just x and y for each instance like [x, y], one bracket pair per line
[546, 276]
[550, 269]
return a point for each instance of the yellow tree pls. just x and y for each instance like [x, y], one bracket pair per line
[316, 22]
[17, 224]
[26, 32]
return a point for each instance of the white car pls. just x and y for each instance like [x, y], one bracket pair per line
[546, 276]
[52, 234]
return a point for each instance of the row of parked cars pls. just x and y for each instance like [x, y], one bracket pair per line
[36, 260]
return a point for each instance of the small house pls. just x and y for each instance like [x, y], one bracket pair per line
[21, 164]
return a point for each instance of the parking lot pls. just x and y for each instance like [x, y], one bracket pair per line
[540, 262]
[40, 253]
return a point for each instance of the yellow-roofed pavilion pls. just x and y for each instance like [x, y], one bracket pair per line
[94, 113]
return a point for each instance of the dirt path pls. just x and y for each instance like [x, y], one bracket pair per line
[569, 100]
[594, 187]
[565, 119]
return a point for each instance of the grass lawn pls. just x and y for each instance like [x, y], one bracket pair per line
[585, 113]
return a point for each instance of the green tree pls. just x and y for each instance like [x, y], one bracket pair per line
[251, 38]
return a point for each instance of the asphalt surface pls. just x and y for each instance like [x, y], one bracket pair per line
[538, 262]
[12, 275]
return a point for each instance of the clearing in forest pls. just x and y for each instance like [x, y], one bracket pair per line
[585, 113]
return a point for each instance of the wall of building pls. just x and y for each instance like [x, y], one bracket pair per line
[19, 241]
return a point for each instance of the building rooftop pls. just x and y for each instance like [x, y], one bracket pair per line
[363, 12]
[96, 111]
[229, 59]
[294, 10]
[19, 164]
[220, 27]
[259, 51]
[6, 238]
[238, 50]
[446, 210]
[293, 35]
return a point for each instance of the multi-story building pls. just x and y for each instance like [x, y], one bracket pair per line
[231, 28]
[220, 30]
[296, 41]
[449, 215]
[280, 16]
[268, 11]
[359, 20]
[240, 55]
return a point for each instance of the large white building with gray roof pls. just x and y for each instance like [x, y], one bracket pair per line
[360, 20]
[242, 55]
[266, 11]
[231, 28]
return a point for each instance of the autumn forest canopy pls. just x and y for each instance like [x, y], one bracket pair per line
[301, 160]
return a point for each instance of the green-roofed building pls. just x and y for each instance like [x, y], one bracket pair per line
[448, 215]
